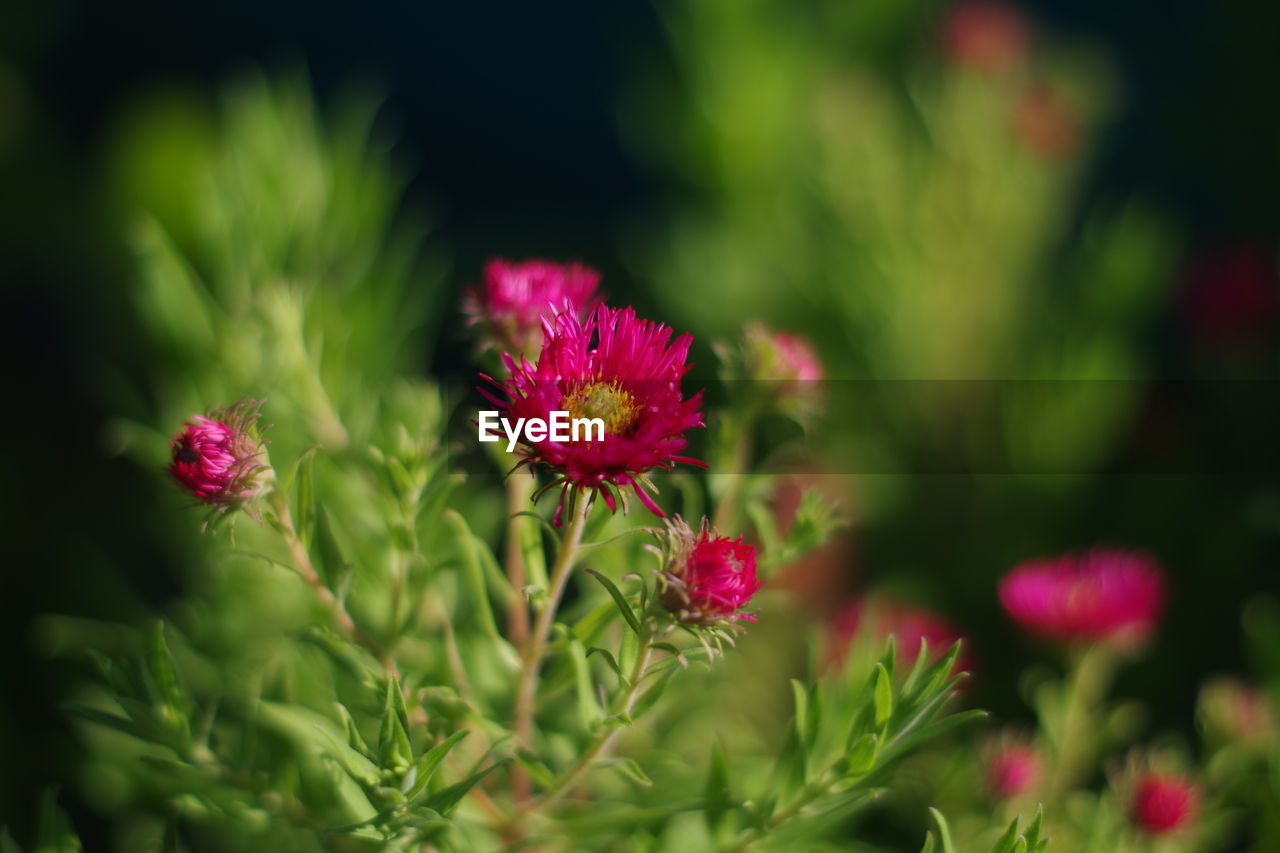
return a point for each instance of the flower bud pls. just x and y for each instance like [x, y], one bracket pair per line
[707, 578]
[218, 457]
[1012, 768]
[1163, 803]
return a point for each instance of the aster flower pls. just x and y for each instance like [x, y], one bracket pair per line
[1103, 595]
[218, 457]
[1163, 803]
[1012, 766]
[622, 370]
[1234, 712]
[911, 627]
[509, 306]
[706, 579]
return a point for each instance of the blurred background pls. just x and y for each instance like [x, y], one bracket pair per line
[1035, 246]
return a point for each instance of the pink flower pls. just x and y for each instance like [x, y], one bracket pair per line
[1046, 123]
[708, 578]
[910, 627]
[510, 304]
[780, 357]
[1103, 595]
[622, 370]
[217, 457]
[984, 35]
[1163, 803]
[1012, 769]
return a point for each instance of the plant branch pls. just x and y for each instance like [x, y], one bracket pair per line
[604, 741]
[536, 647]
[306, 570]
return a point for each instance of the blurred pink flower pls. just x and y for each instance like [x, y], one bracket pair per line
[708, 577]
[910, 627]
[509, 305]
[1103, 595]
[1232, 293]
[985, 35]
[1012, 768]
[1046, 123]
[621, 369]
[1163, 803]
[217, 457]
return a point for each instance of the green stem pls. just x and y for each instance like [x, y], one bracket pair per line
[306, 570]
[727, 506]
[604, 741]
[536, 648]
[519, 490]
[1077, 738]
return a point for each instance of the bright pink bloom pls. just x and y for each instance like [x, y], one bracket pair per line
[510, 304]
[1100, 595]
[910, 627]
[217, 458]
[985, 35]
[1012, 769]
[708, 578]
[622, 370]
[1163, 803]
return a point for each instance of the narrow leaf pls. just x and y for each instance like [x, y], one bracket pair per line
[623, 607]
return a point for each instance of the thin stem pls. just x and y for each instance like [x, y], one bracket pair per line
[1092, 673]
[536, 648]
[519, 489]
[604, 741]
[302, 564]
[739, 458]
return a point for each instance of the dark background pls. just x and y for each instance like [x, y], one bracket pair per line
[511, 110]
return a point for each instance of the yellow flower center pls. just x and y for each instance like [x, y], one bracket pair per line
[607, 401]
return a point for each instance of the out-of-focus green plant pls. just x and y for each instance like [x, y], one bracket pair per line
[340, 677]
[871, 177]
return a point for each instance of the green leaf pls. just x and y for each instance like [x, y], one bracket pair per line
[717, 794]
[162, 681]
[619, 599]
[861, 758]
[608, 658]
[800, 697]
[430, 761]
[630, 769]
[329, 561]
[883, 693]
[473, 573]
[944, 831]
[589, 711]
[446, 800]
[653, 694]
[354, 740]
[1007, 841]
[394, 749]
[306, 499]
[103, 718]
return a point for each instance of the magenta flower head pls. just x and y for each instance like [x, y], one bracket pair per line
[1163, 803]
[218, 457]
[706, 578]
[1103, 595]
[509, 306]
[1013, 767]
[622, 374]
